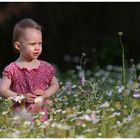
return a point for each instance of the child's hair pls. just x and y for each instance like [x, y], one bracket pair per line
[22, 25]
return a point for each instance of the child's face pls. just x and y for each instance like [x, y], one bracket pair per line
[31, 45]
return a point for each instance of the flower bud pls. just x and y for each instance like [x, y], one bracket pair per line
[120, 33]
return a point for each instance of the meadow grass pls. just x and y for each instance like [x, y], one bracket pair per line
[97, 105]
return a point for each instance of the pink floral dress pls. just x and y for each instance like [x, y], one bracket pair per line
[27, 81]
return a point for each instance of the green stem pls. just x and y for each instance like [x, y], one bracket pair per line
[123, 62]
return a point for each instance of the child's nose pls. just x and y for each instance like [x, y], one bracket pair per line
[37, 47]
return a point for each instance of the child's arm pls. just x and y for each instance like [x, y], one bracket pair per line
[5, 88]
[54, 86]
[6, 92]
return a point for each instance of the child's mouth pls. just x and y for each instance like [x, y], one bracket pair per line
[35, 54]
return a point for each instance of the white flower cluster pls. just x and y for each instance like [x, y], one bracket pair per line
[39, 100]
[92, 117]
[104, 105]
[18, 98]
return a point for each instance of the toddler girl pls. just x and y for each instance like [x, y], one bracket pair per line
[27, 75]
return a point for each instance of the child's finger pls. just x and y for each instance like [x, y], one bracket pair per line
[38, 92]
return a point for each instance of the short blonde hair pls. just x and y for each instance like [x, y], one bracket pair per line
[22, 25]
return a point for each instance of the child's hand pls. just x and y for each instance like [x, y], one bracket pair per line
[39, 92]
[30, 97]
[40, 96]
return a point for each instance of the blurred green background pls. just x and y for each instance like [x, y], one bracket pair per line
[71, 28]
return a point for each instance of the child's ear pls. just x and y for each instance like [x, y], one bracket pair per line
[17, 45]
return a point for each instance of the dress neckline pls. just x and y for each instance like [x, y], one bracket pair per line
[23, 68]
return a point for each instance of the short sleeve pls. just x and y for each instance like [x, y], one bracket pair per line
[51, 70]
[8, 71]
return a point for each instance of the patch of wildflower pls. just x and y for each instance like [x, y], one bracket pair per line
[39, 100]
[91, 108]
[21, 115]
[18, 99]
[91, 117]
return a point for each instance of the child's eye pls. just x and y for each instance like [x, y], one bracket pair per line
[32, 44]
[40, 43]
